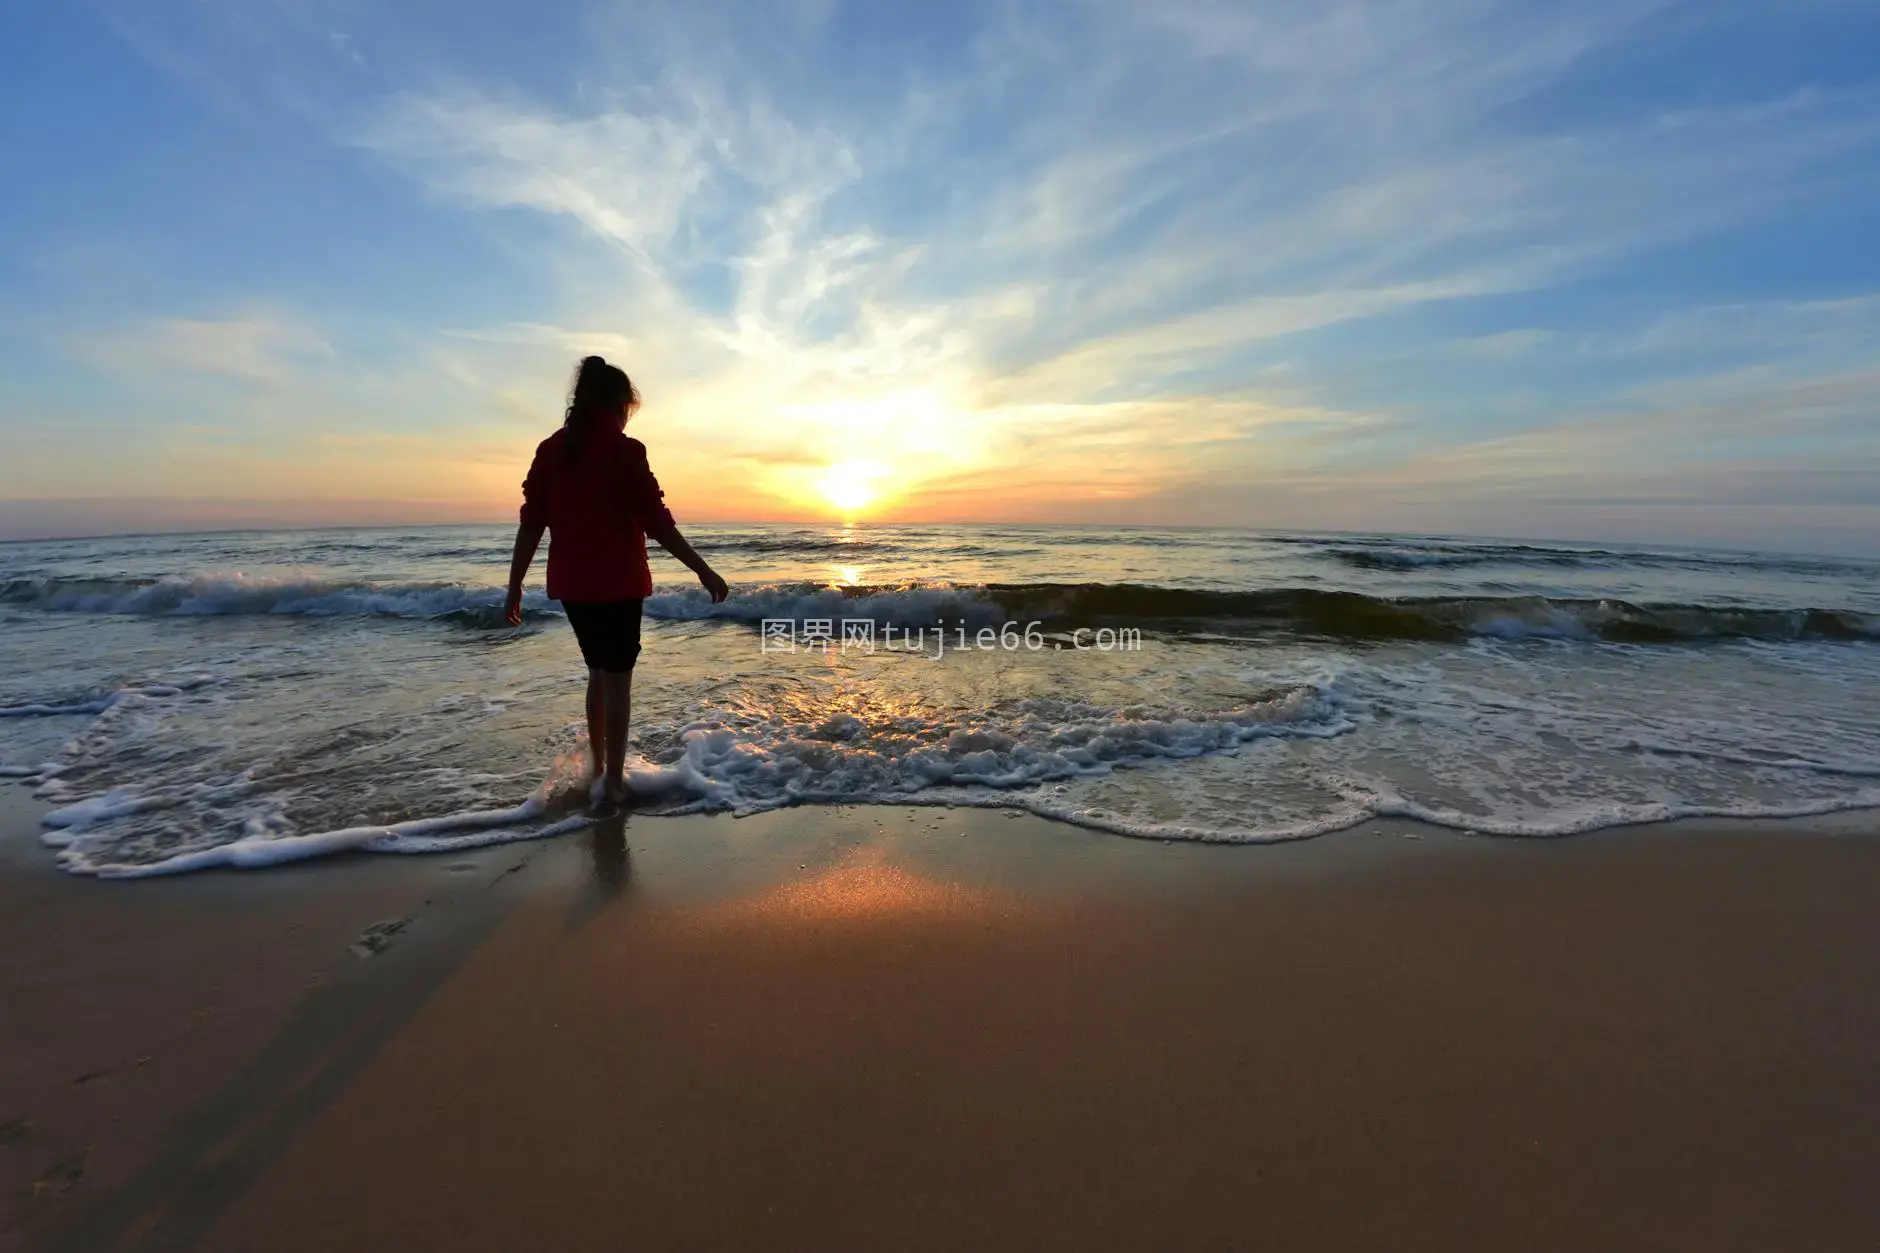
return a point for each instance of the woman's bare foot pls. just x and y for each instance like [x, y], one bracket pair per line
[617, 791]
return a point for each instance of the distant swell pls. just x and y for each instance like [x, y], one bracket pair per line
[801, 545]
[1388, 559]
[1404, 556]
[819, 547]
[1055, 606]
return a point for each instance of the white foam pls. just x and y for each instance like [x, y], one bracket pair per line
[764, 765]
[1045, 805]
[53, 711]
[1805, 765]
[445, 833]
[1565, 823]
[97, 705]
[915, 607]
[69, 821]
[1582, 819]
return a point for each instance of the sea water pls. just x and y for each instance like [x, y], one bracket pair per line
[245, 699]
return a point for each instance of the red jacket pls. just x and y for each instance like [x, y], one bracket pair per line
[598, 507]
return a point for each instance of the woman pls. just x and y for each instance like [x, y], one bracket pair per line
[590, 486]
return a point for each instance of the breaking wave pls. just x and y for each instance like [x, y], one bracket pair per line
[1057, 606]
[209, 595]
[1353, 615]
[1291, 611]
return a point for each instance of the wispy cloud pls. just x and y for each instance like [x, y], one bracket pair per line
[260, 347]
[1724, 440]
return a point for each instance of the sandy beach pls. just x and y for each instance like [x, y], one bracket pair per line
[869, 1028]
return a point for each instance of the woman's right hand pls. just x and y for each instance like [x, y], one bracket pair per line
[709, 580]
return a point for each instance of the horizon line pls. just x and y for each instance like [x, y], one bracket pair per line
[1191, 526]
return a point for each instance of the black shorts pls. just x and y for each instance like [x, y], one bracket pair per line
[608, 632]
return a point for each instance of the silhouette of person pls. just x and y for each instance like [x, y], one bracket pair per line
[591, 488]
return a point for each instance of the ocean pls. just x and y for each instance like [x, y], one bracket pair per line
[188, 701]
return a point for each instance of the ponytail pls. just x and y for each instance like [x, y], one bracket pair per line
[600, 392]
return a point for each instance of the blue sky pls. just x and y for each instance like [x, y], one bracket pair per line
[1607, 270]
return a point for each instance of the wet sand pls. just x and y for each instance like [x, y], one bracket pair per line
[912, 1029]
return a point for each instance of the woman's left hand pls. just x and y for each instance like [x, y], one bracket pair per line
[512, 607]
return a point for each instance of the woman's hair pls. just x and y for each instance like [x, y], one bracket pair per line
[600, 392]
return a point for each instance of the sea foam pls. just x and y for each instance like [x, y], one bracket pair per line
[98, 704]
[81, 832]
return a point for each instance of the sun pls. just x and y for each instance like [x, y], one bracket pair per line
[850, 486]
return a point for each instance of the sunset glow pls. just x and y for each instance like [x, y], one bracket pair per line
[850, 487]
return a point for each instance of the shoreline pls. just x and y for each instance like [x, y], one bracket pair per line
[17, 808]
[844, 1027]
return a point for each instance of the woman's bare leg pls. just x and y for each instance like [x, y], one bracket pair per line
[619, 702]
[597, 721]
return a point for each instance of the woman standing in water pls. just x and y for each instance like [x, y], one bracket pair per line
[590, 486]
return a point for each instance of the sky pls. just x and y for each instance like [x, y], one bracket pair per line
[1602, 270]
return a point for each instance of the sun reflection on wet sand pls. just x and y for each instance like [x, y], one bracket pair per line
[866, 886]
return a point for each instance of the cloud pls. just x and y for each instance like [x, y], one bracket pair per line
[1754, 327]
[646, 173]
[74, 517]
[1503, 344]
[623, 177]
[1727, 439]
[260, 347]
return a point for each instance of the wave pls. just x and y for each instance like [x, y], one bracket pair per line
[806, 545]
[754, 765]
[1055, 606]
[1353, 615]
[82, 835]
[1401, 555]
[1428, 559]
[98, 704]
[903, 607]
[210, 595]
[818, 545]
[1064, 607]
